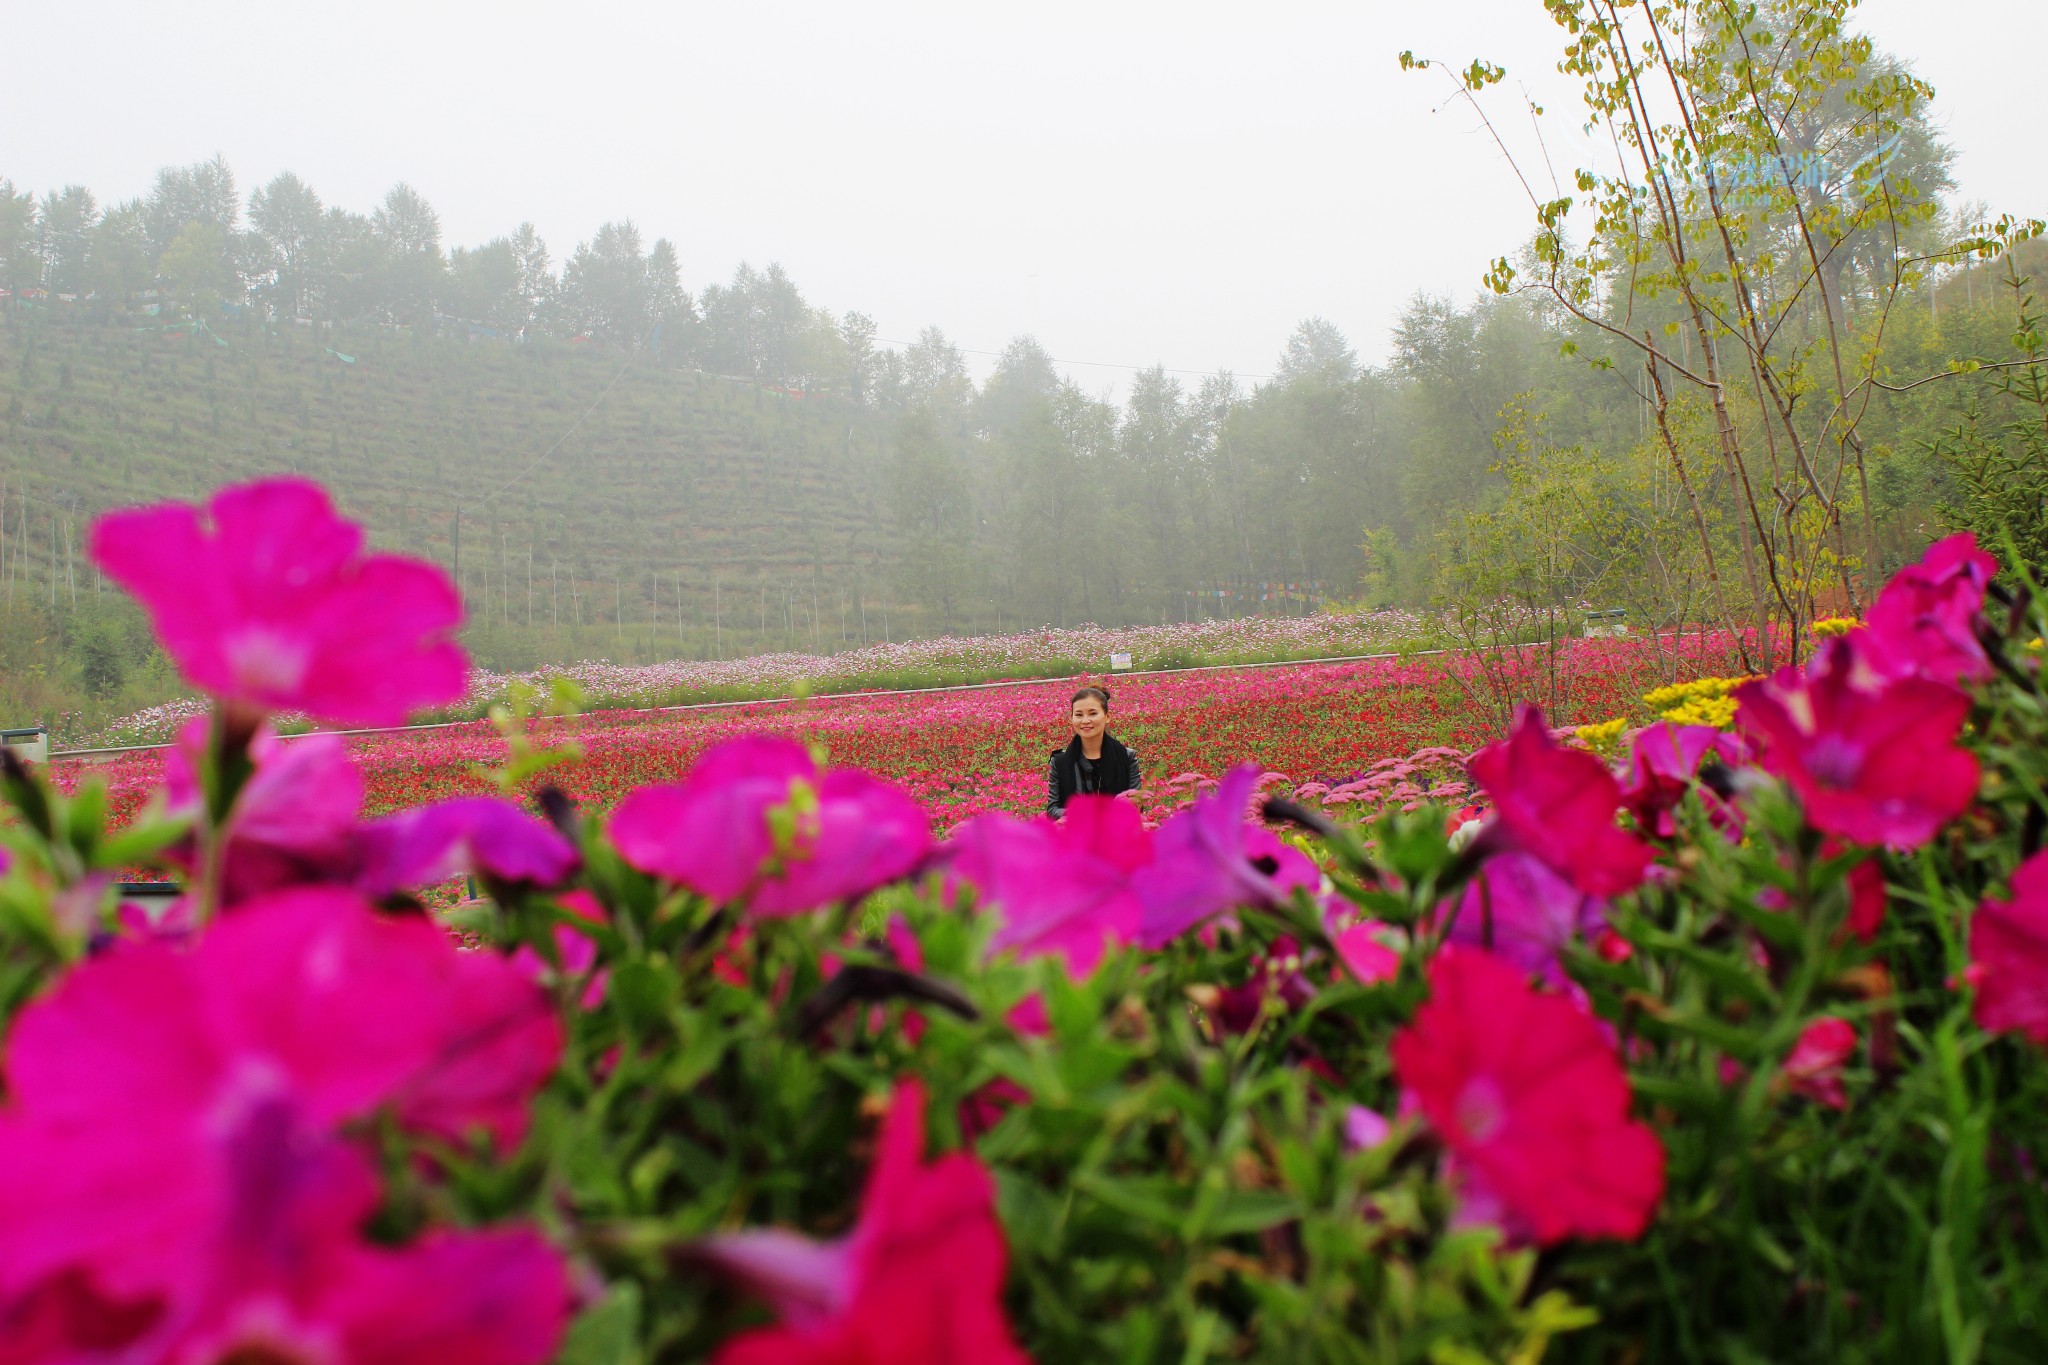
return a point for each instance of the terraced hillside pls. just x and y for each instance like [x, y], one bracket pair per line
[683, 513]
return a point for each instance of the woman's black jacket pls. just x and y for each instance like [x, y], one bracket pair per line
[1069, 774]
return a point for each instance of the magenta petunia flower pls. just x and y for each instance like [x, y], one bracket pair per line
[1532, 1102]
[756, 818]
[1814, 1067]
[2009, 956]
[1368, 952]
[920, 1277]
[1060, 889]
[1663, 765]
[266, 597]
[294, 820]
[1559, 804]
[1210, 858]
[578, 954]
[1523, 912]
[484, 835]
[1873, 760]
[1924, 622]
[171, 1130]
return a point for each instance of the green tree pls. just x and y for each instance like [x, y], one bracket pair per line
[121, 264]
[21, 261]
[286, 217]
[203, 192]
[933, 512]
[65, 228]
[1709, 266]
[195, 268]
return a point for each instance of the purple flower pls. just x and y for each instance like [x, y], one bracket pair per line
[1524, 913]
[1209, 858]
[484, 835]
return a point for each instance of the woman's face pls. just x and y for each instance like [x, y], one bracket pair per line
[1089, 718]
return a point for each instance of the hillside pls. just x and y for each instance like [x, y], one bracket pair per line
[752, 514]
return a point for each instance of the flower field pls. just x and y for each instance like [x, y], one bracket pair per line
[963, 752]
[938, 662]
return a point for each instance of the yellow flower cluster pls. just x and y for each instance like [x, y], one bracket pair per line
[1703, 701]
[1834, 625]
[1602, 736]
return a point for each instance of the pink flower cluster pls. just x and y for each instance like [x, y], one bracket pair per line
[179, 1173]
[1866, 733]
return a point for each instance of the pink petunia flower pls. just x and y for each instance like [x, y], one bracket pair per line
[1924, 622]
[171, 1129]
[1060, 889]
[1873, 760]
[1814, 1067]
[266, 598]
[1663, 765]
[1559, 804]
[1209, 858]
[1368, 951]
[1364, 1128]
[2009, 956]
[920, 1278]
[575, 951]
[294, 820]
[1532, 1102]
[757, 819]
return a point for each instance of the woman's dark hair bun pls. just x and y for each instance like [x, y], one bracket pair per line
[1099, 693]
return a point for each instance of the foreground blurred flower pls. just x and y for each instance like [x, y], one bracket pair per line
[2009, 956]
[1210, 858]
[919, 1280]
[1061, 889]
[1663, 765]
[1873, 760]
[265, 597]
[171, 1135]
[1559, 804]
[293, 822]
[1924, 622]
[1814, 1068]
[575, 951]
[484, 835]
[756, 817]
[1370, 951]
[1531, 1101]
[1521, 911]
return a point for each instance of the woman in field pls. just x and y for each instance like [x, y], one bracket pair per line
[1093, 760]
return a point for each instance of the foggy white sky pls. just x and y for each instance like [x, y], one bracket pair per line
[1134, 183]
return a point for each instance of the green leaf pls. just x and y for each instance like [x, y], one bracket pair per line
[607, 1333]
